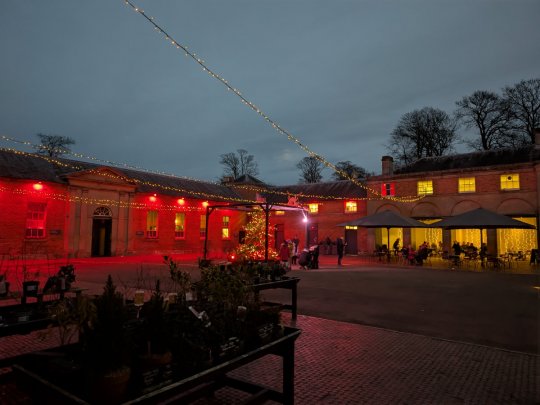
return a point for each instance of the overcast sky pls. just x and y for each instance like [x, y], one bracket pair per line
[336, 74]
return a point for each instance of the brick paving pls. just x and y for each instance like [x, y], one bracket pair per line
[342, 363]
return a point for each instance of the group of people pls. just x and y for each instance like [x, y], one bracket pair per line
[416, 257]
[469, 250]
[290, 255]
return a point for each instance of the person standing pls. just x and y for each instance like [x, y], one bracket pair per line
[295, 242]
[284, 254]
[395, 246]
[340, 246]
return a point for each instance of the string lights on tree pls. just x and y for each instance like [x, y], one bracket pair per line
[253, 247]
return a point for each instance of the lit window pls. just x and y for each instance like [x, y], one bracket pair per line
[180, 225]
[351, 227]
[152, 224]
[510, 182]
[313, 208]
[202, 227]
[225, 228]
[425, 187]
[35, 220]
[279, 212]
[351, 206]
[467, 185]
[388, 189]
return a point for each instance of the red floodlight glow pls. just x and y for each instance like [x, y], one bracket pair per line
[181, 201]
[153, 198]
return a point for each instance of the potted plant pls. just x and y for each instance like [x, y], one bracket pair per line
[62, 280]
[154, 342]
[181, 280]
[105, 346]
[30, 283]
[4, 285]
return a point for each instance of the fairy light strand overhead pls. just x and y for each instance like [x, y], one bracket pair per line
[254, 188]
[261, 113]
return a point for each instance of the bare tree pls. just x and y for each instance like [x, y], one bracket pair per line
[236, 164]
[422, 133]
[54, 145]
[524, 99]
[247, 163]
[491, 115]
[352, 170]
[311, 169]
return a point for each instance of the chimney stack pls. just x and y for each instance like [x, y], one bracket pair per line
[387, 165]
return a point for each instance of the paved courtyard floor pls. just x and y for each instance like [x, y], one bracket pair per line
[351, 363]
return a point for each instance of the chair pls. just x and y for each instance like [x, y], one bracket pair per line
[494, 263]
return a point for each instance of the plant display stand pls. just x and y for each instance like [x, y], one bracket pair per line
[288, 284]
[189, 389]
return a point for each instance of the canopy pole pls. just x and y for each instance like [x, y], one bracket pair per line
[388, 244]
[266, 212]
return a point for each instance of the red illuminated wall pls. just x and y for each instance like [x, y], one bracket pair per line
[14, 200]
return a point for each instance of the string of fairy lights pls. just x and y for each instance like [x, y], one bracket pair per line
[261, 113]
[60, 151]
[96, 201]
[257, 189]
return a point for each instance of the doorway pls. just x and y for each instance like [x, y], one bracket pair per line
[313, 235]
[279, 235]
[101, 237]
[351, 238]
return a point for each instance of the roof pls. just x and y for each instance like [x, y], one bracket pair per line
[248, 179]
[527, 154]
[312, 191]
[35, 167]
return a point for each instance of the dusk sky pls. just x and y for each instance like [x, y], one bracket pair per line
[336, 74]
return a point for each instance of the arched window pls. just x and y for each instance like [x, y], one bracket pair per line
[102, 212]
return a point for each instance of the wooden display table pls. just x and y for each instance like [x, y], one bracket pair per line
[288, 284]
[188, 389]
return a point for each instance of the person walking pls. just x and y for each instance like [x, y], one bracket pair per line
[340, 246]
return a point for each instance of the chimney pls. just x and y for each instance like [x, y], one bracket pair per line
[537, 137]
[387, 165]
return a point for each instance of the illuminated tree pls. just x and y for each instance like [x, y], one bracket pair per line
[253, 246]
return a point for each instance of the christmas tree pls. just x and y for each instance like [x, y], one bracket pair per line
[253, 246]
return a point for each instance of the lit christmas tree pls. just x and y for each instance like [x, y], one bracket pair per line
[253, 246]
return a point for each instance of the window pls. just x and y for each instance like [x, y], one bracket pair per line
[225, 228]
[313, 208]
[279, 212]
[466, 185]
[510, 181]
[425, 187]
[351, 206]
[202, 227]
[35, 220]
[180, 225]
[152, 224]
[388, 189]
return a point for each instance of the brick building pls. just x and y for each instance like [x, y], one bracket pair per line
[503, 181]
[59, 207]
